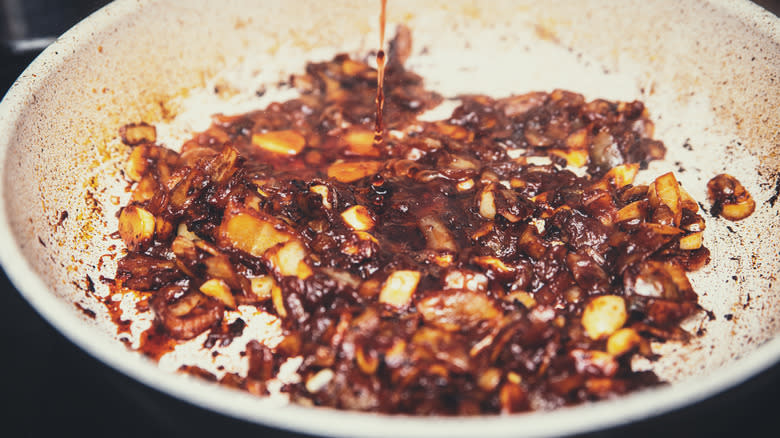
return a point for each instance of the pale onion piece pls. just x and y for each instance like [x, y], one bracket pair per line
[145, 189]
[207, 247]
[324, 192]
[136, 227]
[622, 341]
[742, 205]
[285, 142]
[288, 259]
[358, 218]
[351, 171]
[465, 279]
[666, 190]
[261, 287]
[687, 202]
[604, 209]
[437, 235]
[634, 210]
[487, 204]
[573, 157]
[465, 185]
[218, 289]
[320, 380]
[251, 234]
[399, 287]
[183, 231]
[163, 229]
[514, 377]
[522, 297]
[361, 141]
[691, 241]
[738, 211]
[136, 164]
[137, 133]
[578, 139]
[278, 300]
[604, 315]
[623, 175]
[489, 262]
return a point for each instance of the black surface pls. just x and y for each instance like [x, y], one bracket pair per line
[25, 19]
[49, 387]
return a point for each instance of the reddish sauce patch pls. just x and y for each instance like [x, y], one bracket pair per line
[155, 342]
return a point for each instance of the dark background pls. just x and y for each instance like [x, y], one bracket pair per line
[48, 386]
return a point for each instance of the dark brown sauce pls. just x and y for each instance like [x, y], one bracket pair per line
[116, 314]
[88, 312]
[508, 255]
[224, 334]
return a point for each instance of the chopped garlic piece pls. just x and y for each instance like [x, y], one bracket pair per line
[604, 315]
[318, 381]
[399, 287]
[622, 341]
[262, 286]
[487, 205]
[322, 191]
[358, 218]
[136, 227]
[285, 142]
[218, 289]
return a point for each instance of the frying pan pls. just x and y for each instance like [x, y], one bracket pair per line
[707, 71]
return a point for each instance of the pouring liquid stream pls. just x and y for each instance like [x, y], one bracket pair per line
[380, 79]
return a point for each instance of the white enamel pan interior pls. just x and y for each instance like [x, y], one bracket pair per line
[709, 73]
